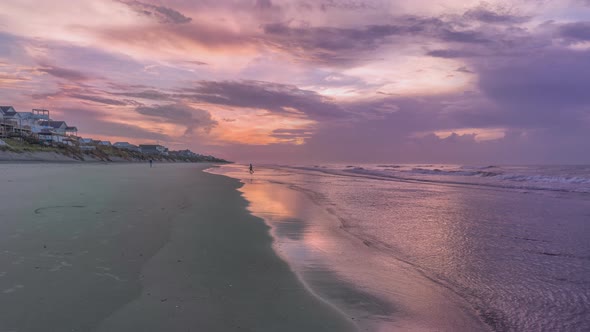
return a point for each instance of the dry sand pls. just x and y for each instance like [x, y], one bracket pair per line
[111, 247]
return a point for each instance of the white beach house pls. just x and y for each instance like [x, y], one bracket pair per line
[49, 136]
[57, 127]
[86, 140]
[56, 131]
[10, 122]
[31, 120]
[154, 149]
[8, 115]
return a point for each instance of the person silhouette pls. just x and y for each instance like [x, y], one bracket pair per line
[251, 169]
[151, 162]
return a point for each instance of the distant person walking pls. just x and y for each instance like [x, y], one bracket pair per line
[251, 169]
[151, 162]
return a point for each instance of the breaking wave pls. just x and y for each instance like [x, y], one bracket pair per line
[563, 178]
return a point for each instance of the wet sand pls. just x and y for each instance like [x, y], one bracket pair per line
[410, 256]
[129, 248]
[380, 292]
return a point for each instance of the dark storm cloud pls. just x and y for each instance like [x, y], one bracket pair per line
[278, 98]
[161, 13]
[192, 118]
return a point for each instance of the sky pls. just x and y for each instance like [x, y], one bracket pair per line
[302, 81]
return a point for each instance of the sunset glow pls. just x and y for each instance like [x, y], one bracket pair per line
[279, 80]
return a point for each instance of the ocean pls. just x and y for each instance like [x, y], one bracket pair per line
[434, 247]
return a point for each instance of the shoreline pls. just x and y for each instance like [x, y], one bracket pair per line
[367, 310]
[339, 266]
[129, 248]
[423, 250]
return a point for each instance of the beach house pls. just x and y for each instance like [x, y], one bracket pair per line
[9, 116]
[127, 146]
[31, 120]
[56, 132]
[57, 127]
[153, 149]
[8, 112]
[184, 153]
[10, 122]
[48, 136]
[72, 131]
[86, 144]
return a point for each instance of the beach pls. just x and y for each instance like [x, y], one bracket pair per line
[204, 247]
[125, 247]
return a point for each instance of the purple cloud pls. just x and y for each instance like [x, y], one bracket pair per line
[98, 99]
[150, 94]
[192, 118]
[578, 31]
[487, 15]
[263, 4]
[162, 14]
[282, 99]
[65, 73]
[552, 81]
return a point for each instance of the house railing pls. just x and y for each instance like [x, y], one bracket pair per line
[11, 128]
[9, 122]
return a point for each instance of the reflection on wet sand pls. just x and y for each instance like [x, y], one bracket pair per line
[381, 293]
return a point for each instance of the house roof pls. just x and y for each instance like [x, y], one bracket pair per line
[7, 110]
[150, 146]
[53, 124]
[71, 128]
